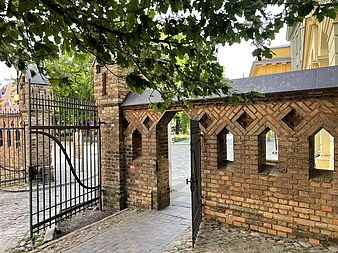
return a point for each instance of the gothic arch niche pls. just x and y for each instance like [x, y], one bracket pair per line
[225, 149]
[268, 152]
[321, 155]
[136, 144]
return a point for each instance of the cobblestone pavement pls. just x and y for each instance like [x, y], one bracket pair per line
[179, 158]
[219, 238]
[130, 231]
[14, 206]
[168, 231]
[180, 171]
[14, 218]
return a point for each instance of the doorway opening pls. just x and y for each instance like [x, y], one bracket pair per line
[179, 158]
[178, 168]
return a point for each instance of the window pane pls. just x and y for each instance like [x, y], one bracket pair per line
[230, 146]
[324, 150]
[271, 146]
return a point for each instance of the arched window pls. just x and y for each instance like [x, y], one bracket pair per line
[322, 155]
[136, 144]
[225, 149]
[1, 139]
[268, 151]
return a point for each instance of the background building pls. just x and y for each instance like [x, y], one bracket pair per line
[313, 44]
[279, 63]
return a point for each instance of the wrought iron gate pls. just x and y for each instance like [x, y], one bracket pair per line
[12, 148]
[64, 157]
[195, 182]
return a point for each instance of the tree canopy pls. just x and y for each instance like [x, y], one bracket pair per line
[167, 45]
[71, 75]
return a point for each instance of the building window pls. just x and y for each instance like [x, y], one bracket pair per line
[136, 144]
[17, 138]
[1, 139]
[9, 138]
[104, 84]
[225, 149]
[322, 155]
[268, 152]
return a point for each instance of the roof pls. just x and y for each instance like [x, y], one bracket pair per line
[281, 46]
[272, 60]
[37, 78]
[294, 81]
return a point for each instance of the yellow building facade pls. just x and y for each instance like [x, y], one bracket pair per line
[279, 63]
[313, 44]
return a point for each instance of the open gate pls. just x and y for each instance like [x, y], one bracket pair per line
[64, 157]
[195, 182]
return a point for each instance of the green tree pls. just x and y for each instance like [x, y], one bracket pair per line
[71, 75]
[182, 123]
[148, 37]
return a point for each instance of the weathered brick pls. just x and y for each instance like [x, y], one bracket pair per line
[290, 202]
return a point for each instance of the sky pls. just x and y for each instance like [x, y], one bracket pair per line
[6, 73]
[236, 59]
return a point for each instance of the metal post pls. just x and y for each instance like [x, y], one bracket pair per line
[169, 155]
[99, 161]
[30, 162]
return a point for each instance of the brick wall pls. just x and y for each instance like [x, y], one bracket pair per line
[284, 201]
[287, 201]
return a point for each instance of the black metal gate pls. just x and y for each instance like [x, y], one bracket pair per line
[195, 182]
[12, 148]
[64, 157]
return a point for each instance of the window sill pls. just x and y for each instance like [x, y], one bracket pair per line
[269, 169]
[319, 175]
[226, 165]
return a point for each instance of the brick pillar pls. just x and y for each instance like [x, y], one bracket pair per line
[163, 189]
[110, 90]
[43, 159]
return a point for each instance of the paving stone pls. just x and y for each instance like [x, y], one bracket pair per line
[278, 248]
[305, 244]
[333, 249]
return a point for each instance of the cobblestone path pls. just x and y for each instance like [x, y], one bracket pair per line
[168, 231]
[180, 171]
[148, 232]
[14, 218]
[219, 238]
[130, 231]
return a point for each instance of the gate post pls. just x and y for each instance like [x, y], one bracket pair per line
[39, 150]
[109, 91]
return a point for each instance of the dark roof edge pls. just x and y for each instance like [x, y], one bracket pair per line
[320, 79]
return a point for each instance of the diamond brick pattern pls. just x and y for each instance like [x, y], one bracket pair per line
[206, 121]
[292, 119]
[148, 122]
[282, 204]
[245, 120]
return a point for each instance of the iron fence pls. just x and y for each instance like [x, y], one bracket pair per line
[64, 158]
